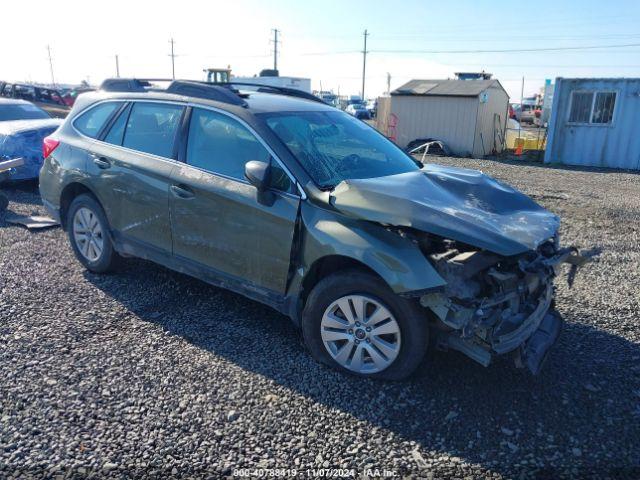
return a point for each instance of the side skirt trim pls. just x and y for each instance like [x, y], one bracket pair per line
[135, 248]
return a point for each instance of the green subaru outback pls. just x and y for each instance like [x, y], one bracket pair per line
[273, 194]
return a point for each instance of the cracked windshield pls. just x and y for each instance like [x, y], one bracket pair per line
[333, 146]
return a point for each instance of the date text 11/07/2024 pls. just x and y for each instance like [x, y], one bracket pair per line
[313, 473]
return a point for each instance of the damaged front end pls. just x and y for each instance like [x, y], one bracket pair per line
[493, 305]
[496, 250]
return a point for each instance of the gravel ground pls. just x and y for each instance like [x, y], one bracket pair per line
[150, 373]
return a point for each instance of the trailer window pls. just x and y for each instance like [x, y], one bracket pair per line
[581, 107]
[603, 107]
[592, 107]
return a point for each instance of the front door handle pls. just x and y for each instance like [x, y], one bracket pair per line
[182, 191]
[101, 162]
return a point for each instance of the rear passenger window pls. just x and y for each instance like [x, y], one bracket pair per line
[152, 128]
[91, 121]
[222, 145]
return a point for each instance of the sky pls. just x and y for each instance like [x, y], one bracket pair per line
[324, 40]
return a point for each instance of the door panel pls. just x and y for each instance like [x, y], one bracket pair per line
[134, 188]
[135, 180]
[221, 225]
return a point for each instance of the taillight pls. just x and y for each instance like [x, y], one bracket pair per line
[48, 146]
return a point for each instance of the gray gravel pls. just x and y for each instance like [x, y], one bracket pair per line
[150, 373]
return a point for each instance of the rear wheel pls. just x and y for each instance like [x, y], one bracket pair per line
[88, 232]
[354, 322]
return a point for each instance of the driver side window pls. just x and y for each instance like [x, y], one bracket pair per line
[222, 145]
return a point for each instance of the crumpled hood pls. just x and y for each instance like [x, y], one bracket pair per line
[454, 203]
[23, 138]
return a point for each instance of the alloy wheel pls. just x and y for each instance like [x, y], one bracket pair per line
[360, 334]
[87, 233]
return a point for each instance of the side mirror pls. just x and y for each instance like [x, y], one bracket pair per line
[258, 173]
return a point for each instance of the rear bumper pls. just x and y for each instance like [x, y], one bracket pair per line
[52, 210]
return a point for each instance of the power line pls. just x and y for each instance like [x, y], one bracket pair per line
[335, 52]
[466, 28]
[510, 38]
[512, 50]
[565, 24]
[264, 55]
[471, 36]
[538, 65]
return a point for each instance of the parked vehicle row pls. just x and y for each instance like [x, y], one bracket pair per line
[355, 106]
[49, 99]
[300, 206]
[55, 101]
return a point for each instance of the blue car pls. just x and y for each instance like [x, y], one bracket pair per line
[23, 127]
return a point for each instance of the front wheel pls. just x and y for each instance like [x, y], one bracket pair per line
[354, 322]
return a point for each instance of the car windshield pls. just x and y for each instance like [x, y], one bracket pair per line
[21, 111]
[334, 146]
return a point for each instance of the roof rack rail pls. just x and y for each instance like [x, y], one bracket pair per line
[192, 88]
[130, 84]
[188, 88]
[291, 92]
[228, 92]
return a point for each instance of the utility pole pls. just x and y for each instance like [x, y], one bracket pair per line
[275, 48]
[53, 80]
[388, 83]
[117, 67]
[364, 61]
[173, 60]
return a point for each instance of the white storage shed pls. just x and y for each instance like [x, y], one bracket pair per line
[469, 116]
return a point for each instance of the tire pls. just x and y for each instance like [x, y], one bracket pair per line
[96, 254]
[411, 322]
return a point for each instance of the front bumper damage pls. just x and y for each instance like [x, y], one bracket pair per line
[495, 305]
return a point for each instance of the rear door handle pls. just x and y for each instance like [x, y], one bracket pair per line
[101, 162]
[182, 191]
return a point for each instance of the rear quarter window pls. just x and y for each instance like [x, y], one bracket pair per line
[91, 122]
